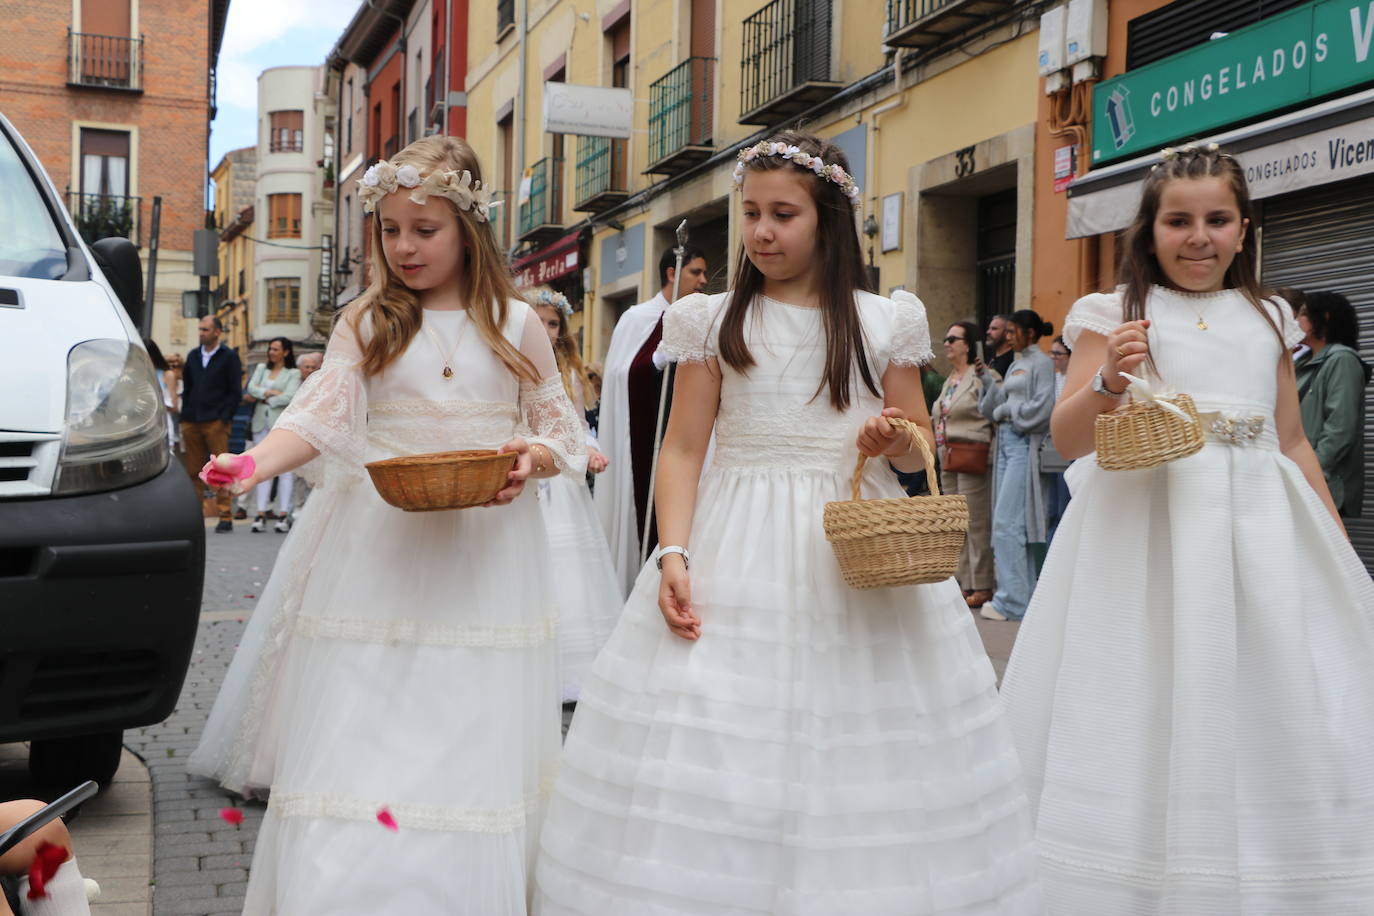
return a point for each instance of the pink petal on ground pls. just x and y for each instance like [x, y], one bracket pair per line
[231, 815]
[386, 820]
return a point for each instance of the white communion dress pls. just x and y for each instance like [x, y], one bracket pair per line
[403, 661]
[818, 750]
[1191, 692]
[586, 586]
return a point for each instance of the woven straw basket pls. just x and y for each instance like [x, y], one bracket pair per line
[441, 480]
[903, 541]
[1141, 435]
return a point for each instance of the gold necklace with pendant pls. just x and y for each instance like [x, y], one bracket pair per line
[1202, 322]
[448, 360]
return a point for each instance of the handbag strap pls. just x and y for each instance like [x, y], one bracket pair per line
[914, 431]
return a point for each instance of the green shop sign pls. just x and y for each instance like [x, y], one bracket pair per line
[1284, 60]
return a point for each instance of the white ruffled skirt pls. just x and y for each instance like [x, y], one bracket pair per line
[1191, 696]
[586, 588]
[819, 750]
[398, 661]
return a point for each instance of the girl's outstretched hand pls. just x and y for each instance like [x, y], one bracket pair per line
[1127, 347]
[235, 473]
[879, 437]
[596, 462]
[515, 480]
[675, 599]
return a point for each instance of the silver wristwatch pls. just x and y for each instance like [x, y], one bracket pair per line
[1100, 387]
[664, 551]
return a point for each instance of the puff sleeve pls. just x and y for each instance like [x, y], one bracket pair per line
[910, 331]
[688, 331]
[1096, 312]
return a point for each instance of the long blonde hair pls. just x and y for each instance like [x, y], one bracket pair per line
[393, 310]
[565, 350]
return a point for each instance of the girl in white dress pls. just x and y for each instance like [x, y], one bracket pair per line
[757, 737]
[588, 592]
[401, 666]
[1191, 692]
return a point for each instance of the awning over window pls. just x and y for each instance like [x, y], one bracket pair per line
[1328, 142]
[548, 263]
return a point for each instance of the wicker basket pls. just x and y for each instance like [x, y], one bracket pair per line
[441, 480]
[902, 541]
[1142, 435]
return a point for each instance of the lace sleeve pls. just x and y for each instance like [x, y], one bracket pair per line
[1288, 325]
[910, 331]
[1096, 312]
[547, 415]
[329, 411]
[687, 331]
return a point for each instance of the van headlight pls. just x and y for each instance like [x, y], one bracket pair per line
[116, 430]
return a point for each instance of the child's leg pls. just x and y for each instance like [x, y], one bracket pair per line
[66, 891]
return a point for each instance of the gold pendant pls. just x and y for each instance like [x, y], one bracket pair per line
[1201, 325]
[448, 372]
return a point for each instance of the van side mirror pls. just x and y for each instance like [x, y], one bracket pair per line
[118, 260]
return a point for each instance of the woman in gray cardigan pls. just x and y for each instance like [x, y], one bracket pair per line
[272, 387]
[1020, 406]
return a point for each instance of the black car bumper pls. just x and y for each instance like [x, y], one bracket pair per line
[99, 600]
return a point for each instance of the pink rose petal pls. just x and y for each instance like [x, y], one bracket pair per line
[231, 815]
[386, 820]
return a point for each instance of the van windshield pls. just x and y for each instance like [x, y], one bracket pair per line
[30, 245]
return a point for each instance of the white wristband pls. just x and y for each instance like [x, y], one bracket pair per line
[664, 551]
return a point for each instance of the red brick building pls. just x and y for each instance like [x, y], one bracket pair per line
[116, 98]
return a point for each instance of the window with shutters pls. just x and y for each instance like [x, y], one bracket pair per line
[286, 133]
[283, 216]
[283, 300]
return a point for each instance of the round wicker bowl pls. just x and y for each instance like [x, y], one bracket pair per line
[441, 480]
[902, 541]
[1141, 435]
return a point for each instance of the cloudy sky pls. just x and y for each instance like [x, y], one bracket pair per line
[262, 34]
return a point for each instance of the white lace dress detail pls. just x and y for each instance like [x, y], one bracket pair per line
[329, 411]
[910, 331]
[547, 413]
[689, 330]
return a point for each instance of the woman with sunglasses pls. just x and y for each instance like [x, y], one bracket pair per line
[963, 437]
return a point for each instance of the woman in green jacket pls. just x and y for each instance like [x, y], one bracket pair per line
[1331, 383]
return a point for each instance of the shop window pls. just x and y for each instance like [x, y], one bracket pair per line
[283, 301]
[283, 216]
[286, 132]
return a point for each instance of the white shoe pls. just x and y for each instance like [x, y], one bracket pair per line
[282, 526]
[988, 612]
[259, 524]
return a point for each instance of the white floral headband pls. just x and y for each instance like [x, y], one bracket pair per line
[557, 300]
[459, 187]
[794, 154]
[1169, 153]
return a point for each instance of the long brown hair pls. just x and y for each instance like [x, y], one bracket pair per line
[1139, 269]
[841, 274]
[393, 310]
[565, 350]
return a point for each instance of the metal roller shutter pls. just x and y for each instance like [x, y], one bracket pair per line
[1169, 29]
[1324, 239]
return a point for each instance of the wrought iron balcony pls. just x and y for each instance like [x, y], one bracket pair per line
[786, 62]
[680, 116]
[601, 180]
[926, 23]
[101, 216]
[541, 217]
[105, 61]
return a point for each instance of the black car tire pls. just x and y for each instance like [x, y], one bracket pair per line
[65, 762]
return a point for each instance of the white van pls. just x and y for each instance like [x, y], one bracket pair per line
[102, 543]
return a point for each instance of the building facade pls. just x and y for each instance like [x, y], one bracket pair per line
[235, 181]
[948, 188]
[115, 97]
[1286, 86]
[293, 207]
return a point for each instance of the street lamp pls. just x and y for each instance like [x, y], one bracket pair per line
[870, 229]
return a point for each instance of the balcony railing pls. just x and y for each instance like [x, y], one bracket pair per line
[601, 182]
[926, 23]
[505, 15]
[680, 116]
[786, 61]
[541, 216]
[106, 61]
[101, 216]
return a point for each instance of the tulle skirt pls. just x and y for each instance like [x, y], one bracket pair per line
[1191, 695]
[586, 588]
[398, 662]
[819, 750]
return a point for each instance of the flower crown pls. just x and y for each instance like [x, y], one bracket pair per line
[557, 300]
[1169, 153]
[828, 171]
[383, 178]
